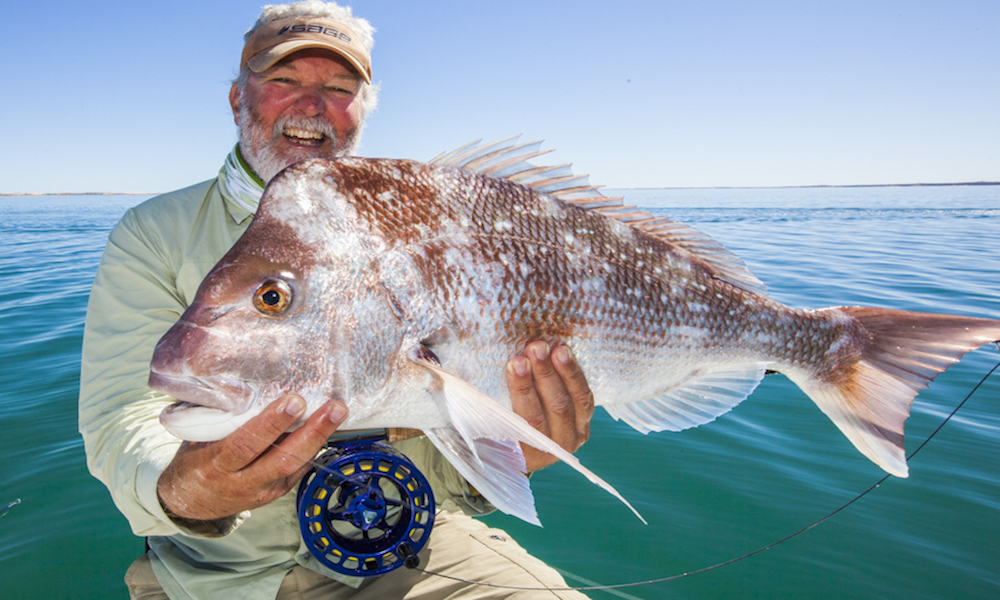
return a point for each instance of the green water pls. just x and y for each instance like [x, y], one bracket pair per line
[758, 474]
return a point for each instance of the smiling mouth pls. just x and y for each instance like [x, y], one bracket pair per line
[304, 137]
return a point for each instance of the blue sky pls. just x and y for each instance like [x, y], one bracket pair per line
[110, 96]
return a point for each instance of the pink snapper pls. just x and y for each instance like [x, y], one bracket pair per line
[403, 288]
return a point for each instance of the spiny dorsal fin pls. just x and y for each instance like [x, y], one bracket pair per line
[505, 159]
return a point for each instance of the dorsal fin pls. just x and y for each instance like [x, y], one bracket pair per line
[505, 159]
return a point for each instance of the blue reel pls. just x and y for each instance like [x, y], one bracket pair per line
[365, 509]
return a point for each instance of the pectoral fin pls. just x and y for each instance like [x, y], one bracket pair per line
[483, 444]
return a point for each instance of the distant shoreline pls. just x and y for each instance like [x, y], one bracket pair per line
[721, 187]
[83, 194]
[806, 187]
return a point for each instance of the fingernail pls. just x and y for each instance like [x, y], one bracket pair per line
[563, 355]
[541, 351]
[338, 413]
[295, 405]
[520, 365]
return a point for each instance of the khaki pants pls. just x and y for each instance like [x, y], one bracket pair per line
[460, 546]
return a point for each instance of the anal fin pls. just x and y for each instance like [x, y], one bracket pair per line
[701, 399]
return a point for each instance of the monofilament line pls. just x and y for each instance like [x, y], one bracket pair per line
[748, 554]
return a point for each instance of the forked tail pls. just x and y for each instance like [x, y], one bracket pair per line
[868, 395]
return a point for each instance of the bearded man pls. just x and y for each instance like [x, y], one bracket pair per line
[218, 517]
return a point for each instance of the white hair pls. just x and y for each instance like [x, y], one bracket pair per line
[317, 8]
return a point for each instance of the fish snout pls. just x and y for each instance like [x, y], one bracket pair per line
[170, 356]
[185, 367]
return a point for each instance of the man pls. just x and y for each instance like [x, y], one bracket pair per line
[219, 518]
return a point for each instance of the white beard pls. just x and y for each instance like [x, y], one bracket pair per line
[258, 145]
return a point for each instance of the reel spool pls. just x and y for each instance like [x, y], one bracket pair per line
[365, 509]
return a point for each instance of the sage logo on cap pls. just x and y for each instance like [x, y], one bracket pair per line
[314, 28]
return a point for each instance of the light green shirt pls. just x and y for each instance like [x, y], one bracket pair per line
[154, 261]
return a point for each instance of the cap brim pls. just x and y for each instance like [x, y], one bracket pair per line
[268, 58]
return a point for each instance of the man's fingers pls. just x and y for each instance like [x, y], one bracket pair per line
[557, 403]
[523, 396]
[548, 389]
[248, 468]
[551, 390]
[578, 389]
[244, 445]
[290, 459]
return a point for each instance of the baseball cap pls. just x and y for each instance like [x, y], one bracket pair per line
[277, 39]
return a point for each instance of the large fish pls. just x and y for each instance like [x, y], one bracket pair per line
[403, 288]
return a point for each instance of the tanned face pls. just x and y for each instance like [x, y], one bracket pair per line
[308, 105]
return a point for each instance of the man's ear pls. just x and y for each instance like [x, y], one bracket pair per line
[234, 102]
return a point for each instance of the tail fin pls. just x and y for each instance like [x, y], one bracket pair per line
[904, 352]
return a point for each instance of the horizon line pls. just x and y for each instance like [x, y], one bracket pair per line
[706, 187]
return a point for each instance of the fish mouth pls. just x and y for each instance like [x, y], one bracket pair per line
[207, 408]
[196, 423]
[221, 393]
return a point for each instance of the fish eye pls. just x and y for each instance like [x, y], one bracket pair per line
[272, 297]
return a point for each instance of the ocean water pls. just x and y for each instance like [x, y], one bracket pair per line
[766, 470]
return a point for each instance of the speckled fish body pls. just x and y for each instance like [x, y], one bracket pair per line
[403, 288]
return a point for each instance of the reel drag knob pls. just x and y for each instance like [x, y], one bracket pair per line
[366, 511]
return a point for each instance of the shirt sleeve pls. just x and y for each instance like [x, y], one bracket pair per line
[134, 300]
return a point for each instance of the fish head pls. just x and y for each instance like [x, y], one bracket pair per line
[264, 321]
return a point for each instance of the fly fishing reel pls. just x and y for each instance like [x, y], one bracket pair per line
[365, 509]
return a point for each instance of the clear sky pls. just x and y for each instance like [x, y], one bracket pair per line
[113, 96]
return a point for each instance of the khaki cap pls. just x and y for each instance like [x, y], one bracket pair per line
[277, 39]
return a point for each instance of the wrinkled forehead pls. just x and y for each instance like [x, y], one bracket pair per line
[317, 61]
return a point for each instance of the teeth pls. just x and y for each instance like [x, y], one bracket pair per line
[303, 134]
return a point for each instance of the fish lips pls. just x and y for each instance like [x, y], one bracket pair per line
[208, 408]
[223, 393]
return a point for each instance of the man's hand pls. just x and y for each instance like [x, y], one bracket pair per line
[249, 468]
[548, 389]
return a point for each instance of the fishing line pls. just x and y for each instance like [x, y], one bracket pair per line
[748, 554]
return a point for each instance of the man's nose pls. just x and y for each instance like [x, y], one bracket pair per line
[310, 103]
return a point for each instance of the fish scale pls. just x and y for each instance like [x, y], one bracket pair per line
[581, 243]
[410, 285]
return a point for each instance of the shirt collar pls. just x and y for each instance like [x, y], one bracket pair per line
[240, 186]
